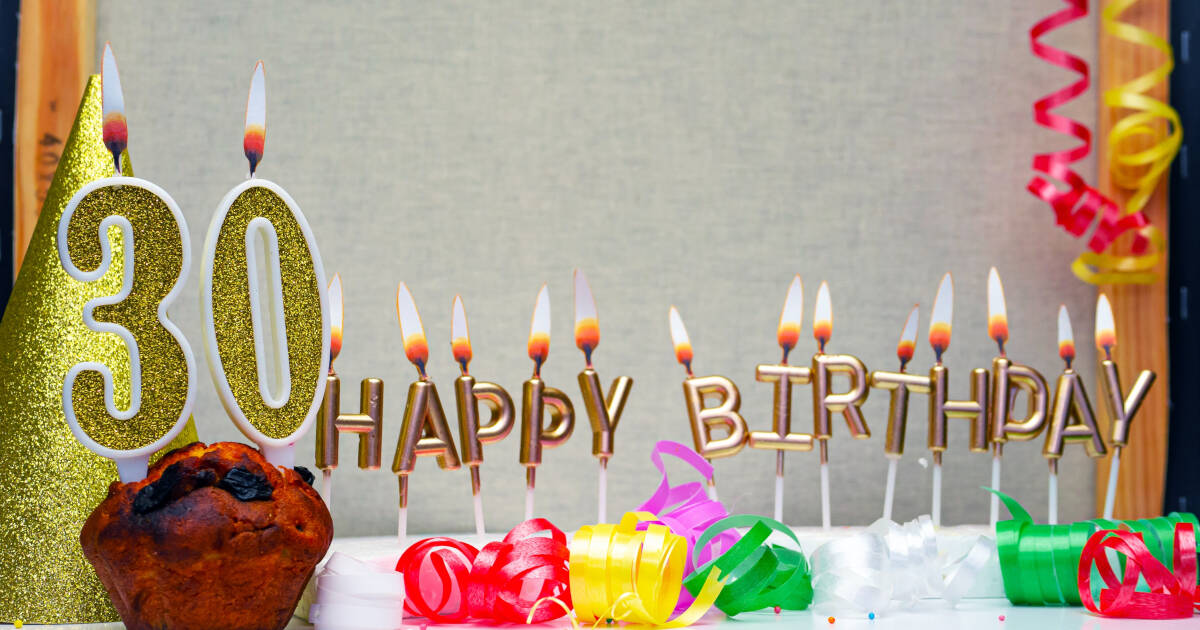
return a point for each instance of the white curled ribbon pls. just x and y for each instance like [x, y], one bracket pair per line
[892, 566]
[353, 595]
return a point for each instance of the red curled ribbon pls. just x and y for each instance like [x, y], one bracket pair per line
[501, 582]
[1171, 595]
[521, 563]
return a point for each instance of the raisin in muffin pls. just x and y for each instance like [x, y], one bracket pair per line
[214, 537]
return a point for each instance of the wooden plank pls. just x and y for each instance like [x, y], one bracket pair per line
[1140, 311]
[56, 54]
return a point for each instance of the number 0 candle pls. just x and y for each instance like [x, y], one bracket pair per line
[264, 298]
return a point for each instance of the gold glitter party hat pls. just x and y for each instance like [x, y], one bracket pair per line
[49, 483]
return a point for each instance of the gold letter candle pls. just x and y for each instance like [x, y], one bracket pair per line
[468, 393]
[265, 305]
[331, 422]
[825, 401]
[703, 418]
[1008, 379]
[1121, 407]
[536, 398]
[783, 376]
[423, 429]
[604, 412]
[1071, 417]
[900, 384]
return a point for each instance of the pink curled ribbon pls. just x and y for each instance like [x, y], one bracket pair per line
[1169, 594]
[449, 581]
[686, 508]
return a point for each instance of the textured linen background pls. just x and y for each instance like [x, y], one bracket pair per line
[695, 154]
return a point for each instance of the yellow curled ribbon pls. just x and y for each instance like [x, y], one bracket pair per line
[1134, 167]
[621, 573]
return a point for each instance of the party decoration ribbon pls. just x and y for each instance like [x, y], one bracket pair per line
[1172, 595]
[621, 573]
[461, 581]
[892, 566]
[1077, 207]
[758, 575]
[1039, 563]
[353, 595]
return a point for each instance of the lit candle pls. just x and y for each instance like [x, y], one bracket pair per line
[331, 422]
[825, 401]
[537, 397]
[704, 419]
[604, 412]
[265, 304]
[781, 438]
[157, 255]
[901, 384]
[1121, 406]
[1008, 379]
[468, 393]
[941, 409]
[423, 430]
[1071, 417]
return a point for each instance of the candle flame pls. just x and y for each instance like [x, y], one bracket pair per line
[997, 311]
[587, 320]
[115, 128]
[335, 317]
[908, 338]
[942, 316]
[823, 317]
[415, 346]
[1106, 329]
[1066, 338]
[255, 137]
[539, 330]
[460, 334]
[792, 316]
[679, 337]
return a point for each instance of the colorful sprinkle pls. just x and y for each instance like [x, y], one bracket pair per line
[871, 616]
[1001, 617]
[777, 609]
[831, 620]
[18, 623]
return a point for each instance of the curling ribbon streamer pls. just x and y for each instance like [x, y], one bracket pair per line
[352, 595]
[892, 566]
[619, 572]
[686, 508]
[759, 575]
[1172, 595]
[1076, 208]
[1040, 563]
[461, 581]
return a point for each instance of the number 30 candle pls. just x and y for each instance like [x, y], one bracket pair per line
[266, 312]
[156, 261]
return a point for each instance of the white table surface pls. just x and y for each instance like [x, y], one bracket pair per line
[975, 614]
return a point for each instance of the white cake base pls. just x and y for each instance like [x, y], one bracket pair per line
[953, 542]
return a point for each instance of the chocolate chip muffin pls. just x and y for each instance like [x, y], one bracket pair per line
[214, 537]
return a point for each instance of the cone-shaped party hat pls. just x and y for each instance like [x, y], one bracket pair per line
[49, 483]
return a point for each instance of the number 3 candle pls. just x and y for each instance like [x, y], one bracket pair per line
[156, 261]
[266, 311]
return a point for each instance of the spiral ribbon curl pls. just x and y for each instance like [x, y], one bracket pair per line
[489, 583]
[352, 595]
[1171, 595]
[758, 575]
[892, 566]
[1040, 563]
[618, 572]
[1139, 170]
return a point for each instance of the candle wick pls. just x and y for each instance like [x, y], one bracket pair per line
[1000, 343]
[903, 364]
[587, 354]
[786, 351]
[687, 365]
[463, 366]
[1107, 352]
[421, 370]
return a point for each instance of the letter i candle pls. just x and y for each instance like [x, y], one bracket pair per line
[604, 412]
[704, 419]
[468, 393]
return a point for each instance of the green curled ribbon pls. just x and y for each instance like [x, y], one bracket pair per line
[1040, 563]
[757, 575]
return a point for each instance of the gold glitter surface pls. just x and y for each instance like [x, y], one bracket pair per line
[157, 262]
[49, 483]
[301, 312]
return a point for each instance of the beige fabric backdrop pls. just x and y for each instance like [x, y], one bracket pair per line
[695, 154]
